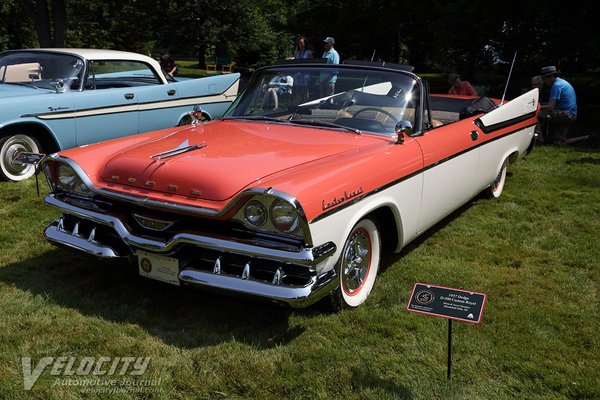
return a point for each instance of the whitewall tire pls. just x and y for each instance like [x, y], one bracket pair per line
[495, 189]
[358, 265]
[10, 146]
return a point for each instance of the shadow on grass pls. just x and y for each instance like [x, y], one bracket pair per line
[585, 160]
[114, 291]
[186, 318]
[391, 258]
[366, 380]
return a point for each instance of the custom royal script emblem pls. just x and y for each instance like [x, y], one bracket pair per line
[340, 199]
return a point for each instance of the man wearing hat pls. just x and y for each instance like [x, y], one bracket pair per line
[561, 109]
[327, 84]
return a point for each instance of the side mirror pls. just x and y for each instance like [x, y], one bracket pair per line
[59, 86]
[196, 115]
[403, 127]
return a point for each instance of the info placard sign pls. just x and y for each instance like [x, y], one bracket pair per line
[445, 302]
[25, 158]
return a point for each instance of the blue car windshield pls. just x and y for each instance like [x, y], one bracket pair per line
[39, 69]
[366, 100]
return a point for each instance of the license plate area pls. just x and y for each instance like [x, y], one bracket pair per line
[161, 268]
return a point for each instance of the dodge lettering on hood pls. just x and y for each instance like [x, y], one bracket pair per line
[294, 195]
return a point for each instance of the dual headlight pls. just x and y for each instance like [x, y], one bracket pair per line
[63, 177]
[272, 212]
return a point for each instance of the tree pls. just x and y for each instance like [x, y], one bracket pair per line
[50, 20]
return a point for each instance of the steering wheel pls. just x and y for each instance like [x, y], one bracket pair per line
[377, 109]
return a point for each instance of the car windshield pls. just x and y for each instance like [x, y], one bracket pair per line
[349, 97]
[40, 70]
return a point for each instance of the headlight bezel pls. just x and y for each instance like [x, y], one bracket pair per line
[269, 199]
[66, 176]
[256, 207]
[289, 212]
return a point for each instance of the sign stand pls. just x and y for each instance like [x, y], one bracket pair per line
[449, 348]
[25, 158]
[444, 302]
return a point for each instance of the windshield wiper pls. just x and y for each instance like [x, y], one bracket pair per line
[258, 118]
[21, 84]
[323, 123]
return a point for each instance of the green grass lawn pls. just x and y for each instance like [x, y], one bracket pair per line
[190, 69]
[535, 252]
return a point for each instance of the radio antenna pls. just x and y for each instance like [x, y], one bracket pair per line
[508, 80]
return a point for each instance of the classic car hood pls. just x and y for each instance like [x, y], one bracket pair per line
[10, 91]
[216, 160]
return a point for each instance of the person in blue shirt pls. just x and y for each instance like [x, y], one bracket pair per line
[561, 109]
[280, 84]
[327, 80]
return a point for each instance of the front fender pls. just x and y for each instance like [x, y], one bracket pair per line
[403, 200]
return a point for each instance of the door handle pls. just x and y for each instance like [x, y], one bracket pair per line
[172, 92]
[129, 96]
[474, 135]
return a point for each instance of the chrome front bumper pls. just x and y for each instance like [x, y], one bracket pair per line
[276, 285]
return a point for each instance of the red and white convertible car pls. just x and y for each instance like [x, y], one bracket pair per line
[294, 194]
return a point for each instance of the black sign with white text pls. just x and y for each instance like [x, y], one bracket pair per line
[444, 302]
[25, 158]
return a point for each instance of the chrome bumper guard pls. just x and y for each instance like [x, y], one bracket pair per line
[297, 297]
[273, 289]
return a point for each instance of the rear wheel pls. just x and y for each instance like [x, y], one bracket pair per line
[358, 266]
[495, 190]
[10, 147]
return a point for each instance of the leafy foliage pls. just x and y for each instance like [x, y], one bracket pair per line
[462, 35]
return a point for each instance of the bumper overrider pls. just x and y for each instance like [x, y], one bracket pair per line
[278, 273]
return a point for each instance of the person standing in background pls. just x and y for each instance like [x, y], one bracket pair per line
[301, 80]
[327, 80]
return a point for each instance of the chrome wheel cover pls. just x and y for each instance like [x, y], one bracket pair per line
[13, 146]
[356, 261]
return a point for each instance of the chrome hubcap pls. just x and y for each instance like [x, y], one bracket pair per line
[11, 148]
[356, 261]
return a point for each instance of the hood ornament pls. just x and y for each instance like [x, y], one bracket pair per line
[196, 115]
[184, 147]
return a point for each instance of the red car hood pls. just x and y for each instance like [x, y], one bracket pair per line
[219, 159]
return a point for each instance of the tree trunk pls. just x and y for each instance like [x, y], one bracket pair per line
[52, 32]
[59, 23]
[42, 23]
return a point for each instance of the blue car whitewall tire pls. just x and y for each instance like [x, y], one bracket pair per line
[10, 146]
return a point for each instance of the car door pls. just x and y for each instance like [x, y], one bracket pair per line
[107, 107]
[450, 165]
[158, 105]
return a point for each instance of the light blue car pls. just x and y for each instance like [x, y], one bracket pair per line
[55, 99]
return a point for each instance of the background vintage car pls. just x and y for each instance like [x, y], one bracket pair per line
[296, 203]
[55, 99]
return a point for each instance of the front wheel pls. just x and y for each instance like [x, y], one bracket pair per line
[495, 189]
[10, 147]
[358, 266]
